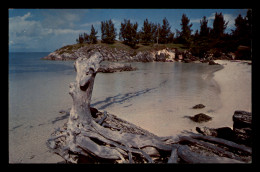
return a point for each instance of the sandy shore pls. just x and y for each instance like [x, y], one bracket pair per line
[235, 85]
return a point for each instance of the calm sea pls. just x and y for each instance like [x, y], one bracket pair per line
[36, 87]
[24, 62]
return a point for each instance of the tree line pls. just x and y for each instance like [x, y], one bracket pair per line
[202, 41]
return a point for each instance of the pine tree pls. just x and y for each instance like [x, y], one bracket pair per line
[219, 26]
[128, 33]
[80, 40]
[86, 38]
[108, 32]
[185, 34]
[164, 32]
[147, 32]
[242, 36]
[204, 30]
[92, 36]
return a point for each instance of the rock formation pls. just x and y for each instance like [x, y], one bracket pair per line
[115, 67]
[91, 136]
[113, 54]
[201, 117]
[241, 132]
[198, 106]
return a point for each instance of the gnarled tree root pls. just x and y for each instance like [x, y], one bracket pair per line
[132, 144]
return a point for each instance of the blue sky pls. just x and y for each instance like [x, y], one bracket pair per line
[45, 30]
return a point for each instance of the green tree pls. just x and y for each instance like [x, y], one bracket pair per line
[80, 39]
[204, 30]
[92, 36]
[156, 28]
[108, 32]
[242, 36]
[146, 34]
[219, 26]
[164, 32]
[86, 38]
[128, 33]
[243, 32]
[185, 34]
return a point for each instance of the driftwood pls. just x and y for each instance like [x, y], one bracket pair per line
[91, 136]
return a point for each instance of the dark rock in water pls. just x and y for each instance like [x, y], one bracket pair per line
[198, 106]
[211, 62]
[201, 117]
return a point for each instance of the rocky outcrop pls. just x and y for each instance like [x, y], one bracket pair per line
[115, 67]
[241, 132]
[242, 127]
[113, 54]
[144, 56]
[165, 55]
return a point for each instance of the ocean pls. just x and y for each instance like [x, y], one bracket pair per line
[156, 97]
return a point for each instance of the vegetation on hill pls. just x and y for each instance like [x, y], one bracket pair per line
[153, 35]
[119, 45]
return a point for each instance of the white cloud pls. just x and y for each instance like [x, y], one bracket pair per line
[24, 32]
[231, 20]
[227, 17]
[195, 20]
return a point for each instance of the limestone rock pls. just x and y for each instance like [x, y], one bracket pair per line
[198, 106]
[115, 67]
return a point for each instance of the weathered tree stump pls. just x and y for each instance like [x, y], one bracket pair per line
[91, 136]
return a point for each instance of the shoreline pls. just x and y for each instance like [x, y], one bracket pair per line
[234, 81]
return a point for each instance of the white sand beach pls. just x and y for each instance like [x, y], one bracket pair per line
[235, 82]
